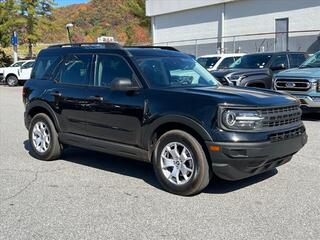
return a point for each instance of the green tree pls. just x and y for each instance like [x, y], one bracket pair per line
[8, 21]
[37, 15]
[138, 9]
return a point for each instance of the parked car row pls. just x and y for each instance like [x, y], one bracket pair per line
[19, 71]
[291, 72]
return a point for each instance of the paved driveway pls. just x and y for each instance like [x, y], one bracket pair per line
[88, 195]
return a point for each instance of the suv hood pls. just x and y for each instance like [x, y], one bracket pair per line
[237, 71]
[244, 96]
[300, 72]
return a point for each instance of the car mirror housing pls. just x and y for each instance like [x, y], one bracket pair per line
[123, 84]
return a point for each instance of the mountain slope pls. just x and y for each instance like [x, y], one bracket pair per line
[122, 19]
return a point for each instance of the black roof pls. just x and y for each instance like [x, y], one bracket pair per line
[272, 53]
[112, 48]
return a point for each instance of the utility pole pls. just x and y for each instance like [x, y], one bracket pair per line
[68, 27]
[14, 42]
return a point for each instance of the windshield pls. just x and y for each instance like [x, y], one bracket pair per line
[17, 64]
[167, 72]
[312, 62]
[252, 61]
[208, 62]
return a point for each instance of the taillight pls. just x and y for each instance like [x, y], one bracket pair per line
[24, 94]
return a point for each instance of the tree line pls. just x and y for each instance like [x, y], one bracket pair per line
[24, 17]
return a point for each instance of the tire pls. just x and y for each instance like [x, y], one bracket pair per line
[188, 182]
[12, 81]
[43, 138]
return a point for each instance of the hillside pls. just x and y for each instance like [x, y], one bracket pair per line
[122, 19]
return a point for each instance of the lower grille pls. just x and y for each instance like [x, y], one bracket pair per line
[292, 84]
[277, 137]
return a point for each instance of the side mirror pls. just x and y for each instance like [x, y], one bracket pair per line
[278, 67]
[123, 84]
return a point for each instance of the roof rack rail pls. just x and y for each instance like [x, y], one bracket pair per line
[160, 47]
[105, 44]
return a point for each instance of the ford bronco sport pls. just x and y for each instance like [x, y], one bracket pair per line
[158, 105]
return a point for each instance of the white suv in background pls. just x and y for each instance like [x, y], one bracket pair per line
[17, 72]
[218, 61]
[13, 65]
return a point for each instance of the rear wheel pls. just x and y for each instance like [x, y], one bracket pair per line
[12, 81]
[180, 163]
[43, 138]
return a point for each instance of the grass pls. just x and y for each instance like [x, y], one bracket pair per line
[23, 50]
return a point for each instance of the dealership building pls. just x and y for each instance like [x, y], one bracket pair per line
[210, 26]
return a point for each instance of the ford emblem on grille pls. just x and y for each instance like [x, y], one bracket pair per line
[290, 84]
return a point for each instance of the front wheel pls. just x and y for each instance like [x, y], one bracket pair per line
[180, 163]
[12, 81]
[43, 138]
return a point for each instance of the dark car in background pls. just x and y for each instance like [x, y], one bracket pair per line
[256, 70]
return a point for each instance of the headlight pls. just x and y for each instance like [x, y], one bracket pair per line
[235, 77]
[241, 119]
[318, 85]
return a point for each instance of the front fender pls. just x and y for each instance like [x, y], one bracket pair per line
[174, 119]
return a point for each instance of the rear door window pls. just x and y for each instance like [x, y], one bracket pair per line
[226, 63]
[296, 59]
[75, 69]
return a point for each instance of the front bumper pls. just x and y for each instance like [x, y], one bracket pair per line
[309, 102]
[236, 161]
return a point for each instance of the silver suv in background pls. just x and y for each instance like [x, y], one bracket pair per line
[302, 82]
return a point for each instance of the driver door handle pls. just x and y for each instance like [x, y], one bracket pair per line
[56, 94]
[96, 98]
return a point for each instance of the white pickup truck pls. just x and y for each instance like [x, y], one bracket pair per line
[19, 71]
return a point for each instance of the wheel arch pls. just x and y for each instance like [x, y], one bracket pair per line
[36, 107]
[165, 124]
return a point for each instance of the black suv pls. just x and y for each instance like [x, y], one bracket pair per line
[256, 70]
[157, 105]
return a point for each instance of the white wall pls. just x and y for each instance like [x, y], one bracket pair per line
[241, 17]
[159, 7]
[258, 16]
[186, 25]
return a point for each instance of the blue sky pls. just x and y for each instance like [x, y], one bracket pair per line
[68, 2]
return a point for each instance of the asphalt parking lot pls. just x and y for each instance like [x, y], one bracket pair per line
[88, 195]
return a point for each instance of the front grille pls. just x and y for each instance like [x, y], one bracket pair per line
[277, 137]
[292, 84]
[280, 116]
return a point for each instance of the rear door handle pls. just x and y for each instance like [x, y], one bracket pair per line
[56, 94]
[96, 98]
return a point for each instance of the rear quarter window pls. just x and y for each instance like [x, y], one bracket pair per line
[45, 66]
[296, 59]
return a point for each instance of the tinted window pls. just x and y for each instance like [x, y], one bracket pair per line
[163, 72]
[75, 69]
[296, 59]
[208, 62]
[17, 64]
[110, 67]
[280, 59]
[28, 65]
[44, 67]
[312, 62]
[226, 63]
[252, 61]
